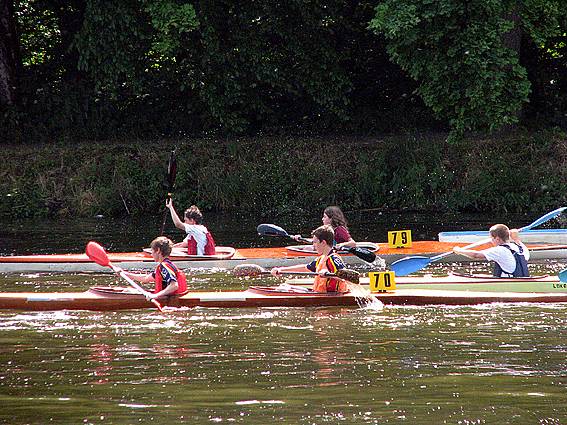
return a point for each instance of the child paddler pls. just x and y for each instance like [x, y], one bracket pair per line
[509, 254]
[199, 240]
[327, 262]
[333, 216]
[169, 280]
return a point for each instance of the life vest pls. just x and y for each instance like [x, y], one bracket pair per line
[521, 269]
[327, 284]
[179, 276]
[210, 248]
[341, 235]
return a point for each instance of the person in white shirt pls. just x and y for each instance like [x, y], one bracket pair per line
[508, 252]
[199, 240]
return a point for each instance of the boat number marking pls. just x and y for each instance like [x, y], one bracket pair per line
[399, 239]
[560, 286]
[382, 281]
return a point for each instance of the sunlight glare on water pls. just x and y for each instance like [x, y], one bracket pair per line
[488, 364]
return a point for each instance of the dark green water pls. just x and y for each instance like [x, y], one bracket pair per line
[495, 364]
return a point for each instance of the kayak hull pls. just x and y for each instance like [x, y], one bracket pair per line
[96, 299]
[547, 236]
[230, 258]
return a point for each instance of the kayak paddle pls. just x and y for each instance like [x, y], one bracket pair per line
[171, 173]
[412, 264]
[97, 253]
[253, 270]
[273, 230]
[563, 276]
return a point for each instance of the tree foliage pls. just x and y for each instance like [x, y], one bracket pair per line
[98, 69]
[457, 52]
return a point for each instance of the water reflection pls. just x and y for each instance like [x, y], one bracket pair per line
[299, 365]
[483, 364]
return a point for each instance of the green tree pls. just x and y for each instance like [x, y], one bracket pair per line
[9, 54]
[465, 54]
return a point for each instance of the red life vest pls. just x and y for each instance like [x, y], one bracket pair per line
[210, 248]
[179, 276]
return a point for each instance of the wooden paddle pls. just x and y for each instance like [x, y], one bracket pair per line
[97, 253]
[171, 173]
[253, 270]
[273, 230]
[412, 264]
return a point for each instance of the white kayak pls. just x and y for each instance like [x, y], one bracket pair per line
[548, 236]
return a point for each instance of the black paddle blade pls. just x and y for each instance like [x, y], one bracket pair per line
[251, 270]
[349, 275]
[362, 253]
[171, 171]
[271, 230]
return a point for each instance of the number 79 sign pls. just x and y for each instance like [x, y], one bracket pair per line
[399, 239]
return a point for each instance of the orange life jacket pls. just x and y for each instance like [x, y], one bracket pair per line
[179, 276]
[327, 284]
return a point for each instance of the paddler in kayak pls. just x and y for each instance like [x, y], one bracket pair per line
[508, 252]
[168, 278]
[199, 240]
[334, 217]
[327, 262]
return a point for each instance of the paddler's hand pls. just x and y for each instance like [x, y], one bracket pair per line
[169, 203]
[295, 237]
[149, 296]
[457, 250]
[276, 271]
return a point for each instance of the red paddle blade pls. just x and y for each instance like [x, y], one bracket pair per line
[97, 253]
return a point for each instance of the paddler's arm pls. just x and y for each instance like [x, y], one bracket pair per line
[143, 278]
[169, 289]
[176, 220]
[350, 243]
[515, 235]
[276, 271]
[470, 253]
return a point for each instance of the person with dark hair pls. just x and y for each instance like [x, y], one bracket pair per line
[199, 240]
[169, 280]
[334, 217]
[327, 262]
[509, 254]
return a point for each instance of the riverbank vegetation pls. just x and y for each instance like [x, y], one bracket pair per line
[517, 172]
[275, 106]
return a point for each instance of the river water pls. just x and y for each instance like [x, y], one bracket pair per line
[494, 364]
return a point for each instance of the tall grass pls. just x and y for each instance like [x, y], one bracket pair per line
[279, 175]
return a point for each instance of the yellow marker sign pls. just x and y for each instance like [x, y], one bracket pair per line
[399, 239]
[382, 281]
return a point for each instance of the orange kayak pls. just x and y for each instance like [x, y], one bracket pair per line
[228, 258]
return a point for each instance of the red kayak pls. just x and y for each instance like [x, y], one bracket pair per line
[112, 298]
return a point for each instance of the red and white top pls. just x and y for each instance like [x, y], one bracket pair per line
[199, 240]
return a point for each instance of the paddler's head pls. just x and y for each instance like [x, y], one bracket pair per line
[323, 238]
[161, 248]
[500, 234]
[193, 215]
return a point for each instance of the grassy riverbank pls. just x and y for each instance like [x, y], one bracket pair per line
[517, 172]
